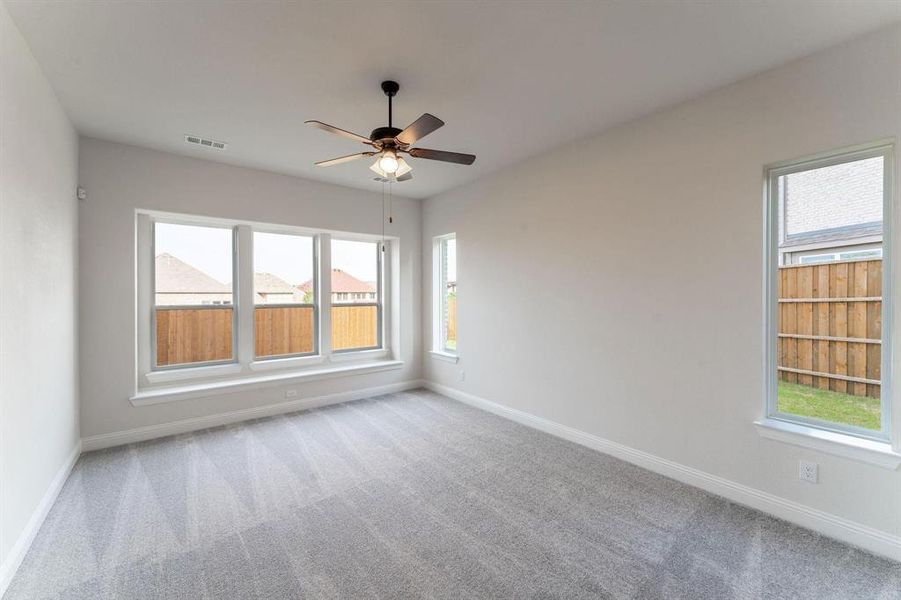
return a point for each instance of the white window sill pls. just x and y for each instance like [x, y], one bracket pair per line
[445, 356]
[272, 364]
[162, 395]
[355, 355]
[839, 444]
[192, 373]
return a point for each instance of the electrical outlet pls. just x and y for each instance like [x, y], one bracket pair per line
[291, 394]
[808, 471]
[462, 376]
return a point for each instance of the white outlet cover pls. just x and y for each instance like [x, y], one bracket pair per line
[808, 471]
[291, 394]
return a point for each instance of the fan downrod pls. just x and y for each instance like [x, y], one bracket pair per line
[387, 134]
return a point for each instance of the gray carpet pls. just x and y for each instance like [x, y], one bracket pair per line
[413, 495]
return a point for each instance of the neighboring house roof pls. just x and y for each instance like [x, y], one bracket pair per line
[342, 282]
[174, 276]
[267, 283]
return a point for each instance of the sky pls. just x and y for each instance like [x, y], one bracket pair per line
[289, 257]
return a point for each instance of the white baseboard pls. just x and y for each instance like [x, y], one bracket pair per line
[856, 534]
[140, 434]
[20, 549]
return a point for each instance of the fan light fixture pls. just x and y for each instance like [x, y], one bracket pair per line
[397, 167]
[388, 161]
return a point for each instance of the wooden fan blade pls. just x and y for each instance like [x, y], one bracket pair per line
[343, 159]
[339, 131]
[452, 157]
[419, 128]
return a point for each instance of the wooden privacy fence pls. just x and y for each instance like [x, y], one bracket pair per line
[354, 327]
[283, 330]
[191, 335]
[452, 318]
[186, 335]
[830, 326]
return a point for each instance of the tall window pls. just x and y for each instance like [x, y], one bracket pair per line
[446, 293]
[826, 280]
[193, 316]
[284, 293]
[356, 295]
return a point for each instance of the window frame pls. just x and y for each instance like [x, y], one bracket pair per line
[245, 366]
[439, 300]
[154, 367]
[315, 305]
[884, 149]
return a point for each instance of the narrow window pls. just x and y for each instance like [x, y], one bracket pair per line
[446, 293]
[356, 302]
[284, 293]
[193, 291]
[826, 282]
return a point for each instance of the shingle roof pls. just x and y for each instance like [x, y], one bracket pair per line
[267, 283]
[174, 276]
[342, 282]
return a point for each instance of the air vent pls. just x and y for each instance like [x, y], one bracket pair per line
[207, 143]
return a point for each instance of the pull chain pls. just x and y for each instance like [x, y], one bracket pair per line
[383, 216]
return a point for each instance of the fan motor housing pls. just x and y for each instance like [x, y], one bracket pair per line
[384, 133]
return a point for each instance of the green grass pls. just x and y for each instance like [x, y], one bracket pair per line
[451, 344]
[826, 405]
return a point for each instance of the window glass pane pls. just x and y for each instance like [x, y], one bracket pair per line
[859, 254]
[283, 294]
[356, 309]
[193, 294]
[449, 294]
[817, 258]
[829, 301]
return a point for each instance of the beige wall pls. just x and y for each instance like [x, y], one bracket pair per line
[614, 284]
[38, 222]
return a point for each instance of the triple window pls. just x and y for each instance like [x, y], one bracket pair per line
[241, 294]
[828, 290]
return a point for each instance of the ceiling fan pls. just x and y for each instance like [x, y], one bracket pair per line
[388, 143]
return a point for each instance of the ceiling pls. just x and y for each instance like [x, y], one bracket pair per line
[510, 79]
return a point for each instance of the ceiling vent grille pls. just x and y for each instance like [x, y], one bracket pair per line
[205, 142]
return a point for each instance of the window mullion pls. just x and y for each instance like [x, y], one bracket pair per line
[243, 293]
[146, 333]
[324, 290]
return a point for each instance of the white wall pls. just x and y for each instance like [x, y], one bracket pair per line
[614, 284]
[38, 225]
[120, 179]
